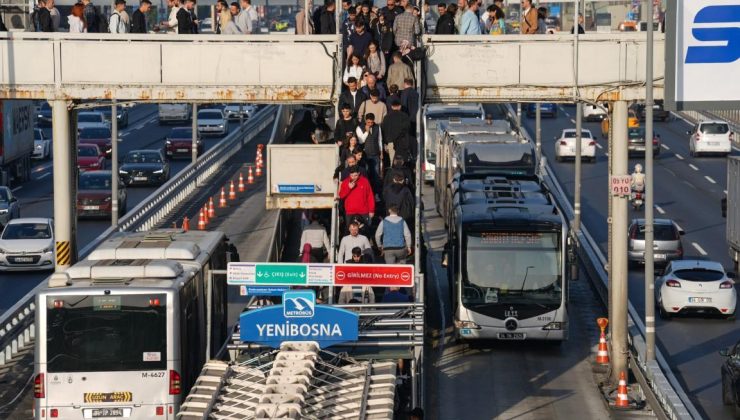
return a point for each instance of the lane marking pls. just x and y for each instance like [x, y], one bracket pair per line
[572, 121]
[664, 146]
[679, 156]
[678, 227]
[660, 210]
[43, 167]
[699, 248]
[16, 188]
[43, 176]
[568, 115]
[599, 146]
[691, 165]
[709, 178]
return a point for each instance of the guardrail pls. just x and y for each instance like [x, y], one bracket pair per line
[660, 379]
[17, 323]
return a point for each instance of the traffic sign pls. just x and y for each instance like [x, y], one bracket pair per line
[296, 274]
[620, 185]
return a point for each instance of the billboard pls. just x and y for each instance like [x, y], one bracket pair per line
[301, 176]
[702, 55]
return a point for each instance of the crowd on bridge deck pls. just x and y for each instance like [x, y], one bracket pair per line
[394, 27]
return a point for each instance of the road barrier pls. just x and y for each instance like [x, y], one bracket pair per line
[17, 327]
[656, 374]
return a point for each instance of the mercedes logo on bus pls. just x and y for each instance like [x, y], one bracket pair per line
[511, 324]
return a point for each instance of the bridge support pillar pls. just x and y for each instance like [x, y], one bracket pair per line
[618, 269]
[64, 133]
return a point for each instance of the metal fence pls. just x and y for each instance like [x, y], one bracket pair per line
[17, 327]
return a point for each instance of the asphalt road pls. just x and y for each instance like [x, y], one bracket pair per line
[687, 190]
[36, 196]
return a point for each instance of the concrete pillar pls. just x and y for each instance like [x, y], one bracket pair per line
[618, 256]
[194, 144]
[64, 133]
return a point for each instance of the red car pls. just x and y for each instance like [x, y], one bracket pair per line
[89, 158]
[94, 195]
[179, 142]
[99, 136]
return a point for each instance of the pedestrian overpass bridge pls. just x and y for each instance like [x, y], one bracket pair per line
[306, 69]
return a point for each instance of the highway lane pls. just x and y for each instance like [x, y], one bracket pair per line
[687, 190]
[36, 196]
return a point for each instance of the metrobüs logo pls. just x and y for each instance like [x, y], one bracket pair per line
[299, 304]
[726, 14]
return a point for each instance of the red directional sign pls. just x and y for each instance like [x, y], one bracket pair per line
[384, 275]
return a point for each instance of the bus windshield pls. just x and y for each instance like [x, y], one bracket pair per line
[106, 333]
[511, 268]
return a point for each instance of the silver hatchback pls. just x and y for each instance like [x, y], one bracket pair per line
[667, 242]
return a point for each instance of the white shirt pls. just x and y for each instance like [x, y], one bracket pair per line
[362, 136]
[349, 242]
[172, 21]
[75, 24]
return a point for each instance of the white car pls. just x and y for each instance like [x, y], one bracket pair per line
[695, 286]
[593, 113]
[712, 136]
[27, 244]
[91, 119]
[212, 122]
[232, 111]
[565, 145]
[41, 145]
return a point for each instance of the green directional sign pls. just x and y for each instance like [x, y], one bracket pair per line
[281, 274]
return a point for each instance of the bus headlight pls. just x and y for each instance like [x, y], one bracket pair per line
[553, 326]
[466, 324]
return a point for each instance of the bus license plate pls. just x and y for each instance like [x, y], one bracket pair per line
[713, 143]
[700, 300]
[512, 336]
[107, 412]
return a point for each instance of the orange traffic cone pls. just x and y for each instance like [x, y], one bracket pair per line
[222, 200]
[622, 399]
[232, 192]
[250, 176]
[211, 209]
[185, 224]
[205, 213]
[202, 221]
[602, 355]
[241, 183]
[258, 171]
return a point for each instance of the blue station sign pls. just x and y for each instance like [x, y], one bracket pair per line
[299, 318]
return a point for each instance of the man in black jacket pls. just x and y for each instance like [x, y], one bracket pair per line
[410, 102]
[42, 18]
[347, 123]
[354, 97]
[395, 128]
[328, 22]
[446, 22]
[185, 23]
[138, 19]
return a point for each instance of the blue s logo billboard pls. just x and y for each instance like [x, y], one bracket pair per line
[725, 14]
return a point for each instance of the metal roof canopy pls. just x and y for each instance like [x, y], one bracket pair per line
[297, 381]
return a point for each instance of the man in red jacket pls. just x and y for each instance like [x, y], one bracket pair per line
[359, 200]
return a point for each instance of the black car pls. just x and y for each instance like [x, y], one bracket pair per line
[731, 377]
[122, 116]
[144, 167]
[659, 112]
[43, 115]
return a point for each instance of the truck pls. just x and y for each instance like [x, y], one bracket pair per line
[16, 141]
[731, 209]
[174, 113]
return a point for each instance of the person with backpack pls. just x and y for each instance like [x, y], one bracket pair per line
[393, 238]
[119, 21]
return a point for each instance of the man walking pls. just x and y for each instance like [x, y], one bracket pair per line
[352, 241]
[406, 27]
[185, 23]
[470, 24]
[398, 71]
[359, 200]
[119, 22]
[394, 235]
[370, 136]
[529, 18]
[91, 17]
[138, 19]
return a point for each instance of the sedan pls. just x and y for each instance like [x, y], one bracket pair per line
[696, 286]
[636, 141]
[546, 110]
[144, 167]
[10, 208]
[89, 158]
[91, 119]
[99, 136]
[27, 244]
[667, 244]
[710, 137]
[232, 111]
[212, 122]
[731, 377]
[94, 195]
[565, 145]
[121, 117]
[659, 112]
[41, 145]
[179, 142]
[43, 115]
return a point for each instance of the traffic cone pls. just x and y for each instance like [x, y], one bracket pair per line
[205, 213]
[202, 221]
[241, 182]
[211, 209]
[222, 200]
[250, 176]
[258, 171]
[232, 193]
[622, 399]
[185, 224]
[602, 356]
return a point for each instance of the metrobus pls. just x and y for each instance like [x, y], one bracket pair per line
[431, 115]
[125, 332]
[508, 263]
